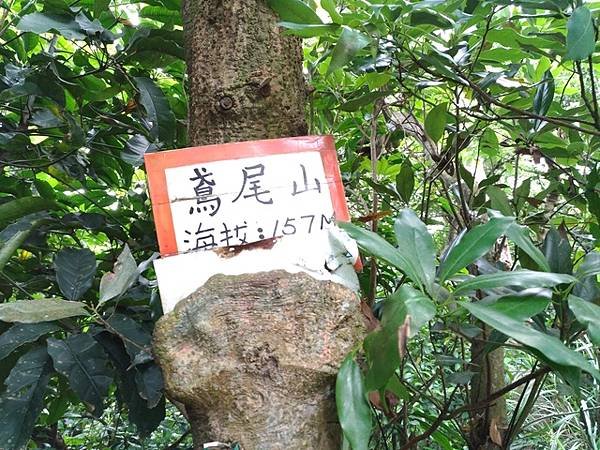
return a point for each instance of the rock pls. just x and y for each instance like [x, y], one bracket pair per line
[254, 358]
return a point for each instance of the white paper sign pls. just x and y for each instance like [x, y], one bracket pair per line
[240, 201]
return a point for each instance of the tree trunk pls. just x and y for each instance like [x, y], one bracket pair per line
[253, 357]
[245, 76]
[488, 423]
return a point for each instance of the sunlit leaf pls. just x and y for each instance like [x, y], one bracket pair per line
[347, 46]
[581, 36]
[46, 310]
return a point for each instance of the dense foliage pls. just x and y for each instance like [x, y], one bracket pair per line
[84, 94]
[468, 133]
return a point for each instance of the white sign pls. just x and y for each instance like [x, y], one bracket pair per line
[240, 201]
[235, 194]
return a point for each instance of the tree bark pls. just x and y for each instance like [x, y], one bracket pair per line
[253, 357]
[245, 76]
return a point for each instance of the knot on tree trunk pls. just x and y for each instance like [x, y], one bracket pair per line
[254, 358]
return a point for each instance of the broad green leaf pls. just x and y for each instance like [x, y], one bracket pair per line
[137, 340]
[472, 245]
[522, 305]
[124, 274]
[589, 267]
[145, 419]
[405, 181]
[381, 346]
[347, 46]
[415, 242]
[516, 278]
[329, 6]
[35, 311]
[21, 334]
[544, 94]
[435, 122]
[41, 23]
[587, 314]
[294, 11]
[549, 346]
[136, 148]
[499, 201]
[157, 110]
[581, 36]
[375, 245]
[430, 17]
[9, 247]
[20, 207]
[150, 384]
[557, 250]
[23, 400]
[161, 14]
[308, 30]
[364, 100]
[81, 359]
[520, 236]
[75, 270]
[353, 409]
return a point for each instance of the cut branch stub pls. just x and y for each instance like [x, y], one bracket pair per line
[254, 357]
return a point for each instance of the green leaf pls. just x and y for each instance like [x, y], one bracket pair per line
[10, 246]
[75, 270]
[124, 274]
[42, 23]
[35, 311]
[522, 305]
[294, 11]
[137, 340]
[348, 45]
[353, 409]
[520, 236]
[157, 110]
[145, 419]
[544, 94]
[435, 122]
[21, 334]
[329, 6]
[381, 346]
[416, 244]
[20, 207]
[23, 400]
[587, 314]
[472, 245]
[557, 250]
[589, 267]
[161, 14]
[549, 346]
[81, 359]
[356, 103]
[379, 247]
[150, 384]
[405, 181]
[581, 36]
[309, 30]
[499, 200]
[429, 17]
[516, 278]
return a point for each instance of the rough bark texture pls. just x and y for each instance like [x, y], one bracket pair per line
[245, 76]
[254, 357]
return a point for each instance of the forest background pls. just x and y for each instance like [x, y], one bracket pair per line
[468, 132]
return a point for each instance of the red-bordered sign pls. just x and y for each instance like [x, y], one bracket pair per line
[157, 165]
